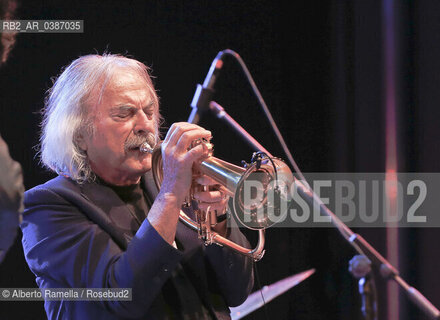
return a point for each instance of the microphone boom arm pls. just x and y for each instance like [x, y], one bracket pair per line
[203, 101]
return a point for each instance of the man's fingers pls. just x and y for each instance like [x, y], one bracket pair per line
[189, 136]
[219, 206]
[175, 126]
[197, 153]
[206, 181]
[182, 134]
[210, 196]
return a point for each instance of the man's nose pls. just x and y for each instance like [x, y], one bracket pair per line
[144, 124]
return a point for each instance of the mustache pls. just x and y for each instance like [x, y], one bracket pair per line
[136, 141]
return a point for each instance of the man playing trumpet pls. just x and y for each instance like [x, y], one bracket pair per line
[102, 224]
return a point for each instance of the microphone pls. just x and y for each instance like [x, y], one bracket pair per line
[204, 93]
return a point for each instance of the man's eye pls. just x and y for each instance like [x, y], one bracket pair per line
[123, 115]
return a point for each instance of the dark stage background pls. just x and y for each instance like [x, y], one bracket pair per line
[319, 66]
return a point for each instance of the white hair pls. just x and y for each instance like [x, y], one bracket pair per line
[66, 114]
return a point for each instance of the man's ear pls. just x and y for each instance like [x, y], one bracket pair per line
[81, 142]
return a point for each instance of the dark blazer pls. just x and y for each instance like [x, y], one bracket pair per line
[84, 236]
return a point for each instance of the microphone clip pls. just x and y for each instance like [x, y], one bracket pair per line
[202, 98]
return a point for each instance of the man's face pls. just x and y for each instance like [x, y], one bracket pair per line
[125, 112]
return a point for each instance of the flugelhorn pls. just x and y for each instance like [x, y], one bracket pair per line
[259, 193]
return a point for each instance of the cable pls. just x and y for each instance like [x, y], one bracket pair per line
[343, 229]
[266, 110]
[256, 157]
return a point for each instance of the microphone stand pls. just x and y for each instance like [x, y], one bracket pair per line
[202, 100]
[387, 271]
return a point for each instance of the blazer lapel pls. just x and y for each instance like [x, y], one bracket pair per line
[110, 213]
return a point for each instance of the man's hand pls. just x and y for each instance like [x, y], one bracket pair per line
[178, 159]
[215, 199]
[177, 176]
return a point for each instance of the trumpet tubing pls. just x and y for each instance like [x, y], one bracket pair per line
[263, 175]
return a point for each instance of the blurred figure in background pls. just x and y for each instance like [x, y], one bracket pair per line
[11, 178]
[11, 198]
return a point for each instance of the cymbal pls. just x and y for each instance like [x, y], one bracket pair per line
[255, 301]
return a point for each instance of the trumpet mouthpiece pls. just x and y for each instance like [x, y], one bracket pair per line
[148, 146]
